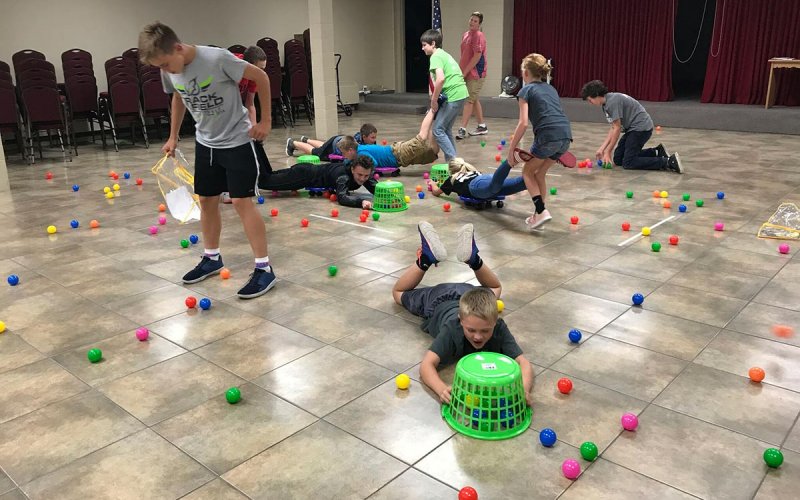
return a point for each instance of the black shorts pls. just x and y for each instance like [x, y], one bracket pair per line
[235, 170]
[422, 301]
[328, 148]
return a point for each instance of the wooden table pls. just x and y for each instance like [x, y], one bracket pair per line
[773, 65]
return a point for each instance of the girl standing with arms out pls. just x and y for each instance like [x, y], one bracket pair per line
[540, 105]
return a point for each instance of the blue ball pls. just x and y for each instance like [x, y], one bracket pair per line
[720, 195]
[205, 304]
[260, 200]
[75, 187]
[421, 195]
[13, 280]
[74, 223]
[575, 335]
[681, 207]
[547, 437]
[503, 142]
[599, 163]
[637, 299]
[194, 239]
[126, 175]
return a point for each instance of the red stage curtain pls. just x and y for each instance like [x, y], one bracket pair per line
[747, 34]
[625, 43]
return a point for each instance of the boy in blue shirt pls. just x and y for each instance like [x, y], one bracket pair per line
[417, 151]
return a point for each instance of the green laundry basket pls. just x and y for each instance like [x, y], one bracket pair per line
[440, 172]
[308, 159]
[487, 400]
[389, 196]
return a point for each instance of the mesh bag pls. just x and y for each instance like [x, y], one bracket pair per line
[783, 225]
[177, 187]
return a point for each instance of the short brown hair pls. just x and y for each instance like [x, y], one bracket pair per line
[156, 39]
[347, 143]
[480, 302]
[479, 15]
[254, 53]
[367, 129]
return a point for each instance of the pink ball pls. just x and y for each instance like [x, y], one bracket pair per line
[630, 422]
[499, 147]
[783, 248]
[153, 229]
[719, 226]
[426, 175]
[377, 177]
[142, 333]
[162, 220]
[571, 468]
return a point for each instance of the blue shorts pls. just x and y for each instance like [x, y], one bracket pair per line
[550, 149]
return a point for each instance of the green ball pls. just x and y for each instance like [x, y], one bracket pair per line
[376, 216]
[656, 246]
[332, 270]
[589, 451]
[699, 203]
[686, 196]
[483, 144]
[773, 457]
[233, 395]
[553, 190]
[94, 355]
[629, 194]
[608, 165]
[185, 243]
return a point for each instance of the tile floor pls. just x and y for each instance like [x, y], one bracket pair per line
[316, 357]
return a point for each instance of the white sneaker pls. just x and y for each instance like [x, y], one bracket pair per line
[537, 220]
[226, 198]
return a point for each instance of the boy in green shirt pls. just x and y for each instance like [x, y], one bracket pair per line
[448, 81]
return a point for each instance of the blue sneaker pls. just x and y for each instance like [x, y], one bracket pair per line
[203, 270]
[467, 249]
[261, 282]
[432, 250]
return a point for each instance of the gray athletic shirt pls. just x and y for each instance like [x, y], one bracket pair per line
[209, 86]
[625, 108]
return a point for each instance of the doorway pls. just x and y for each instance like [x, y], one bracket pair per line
[692, 42]
[417, 20]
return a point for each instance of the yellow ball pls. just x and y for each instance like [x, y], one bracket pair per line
[51, 229]
[106, 189]
[500, 306]
[402, 381]
[2, 327]
[664, 194]
[646, 231]
[408, 199]
[109, 195]
[116, 187]
[471, 400]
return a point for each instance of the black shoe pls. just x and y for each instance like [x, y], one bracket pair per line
[203, 270]
[289, 147]
[261, 282]
[304, 139]
[661, 151]
[674, 164]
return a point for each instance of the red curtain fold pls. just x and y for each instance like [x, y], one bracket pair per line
[625, 43]
[747, 34]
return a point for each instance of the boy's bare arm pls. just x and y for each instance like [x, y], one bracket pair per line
[262, 129]
[527, 377]
[430, 377]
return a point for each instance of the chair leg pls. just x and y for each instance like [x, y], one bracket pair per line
[144, 129]
[61, 143]
[39, 143]
[113, 132]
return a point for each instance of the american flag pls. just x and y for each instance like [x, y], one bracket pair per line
[436, 23]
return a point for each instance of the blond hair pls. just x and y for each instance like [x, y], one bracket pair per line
[459, 166]
[156, 39]
[537, 66]
[479, 302]
[347, 143]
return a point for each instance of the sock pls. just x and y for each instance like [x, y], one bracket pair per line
[263, 263]
[475, 263]
[212, 253]
[423, 262]
[538, 202]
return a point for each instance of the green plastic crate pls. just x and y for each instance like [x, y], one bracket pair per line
[308, 159]
[389, 196]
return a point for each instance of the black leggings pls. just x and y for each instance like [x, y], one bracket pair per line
[298, 176]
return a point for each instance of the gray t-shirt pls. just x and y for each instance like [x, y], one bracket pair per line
[625, 108]
[209, 87]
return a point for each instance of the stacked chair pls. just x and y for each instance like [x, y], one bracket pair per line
[296, 85]
[80, 88]
[280, 103]
[9, 110]
[121, 105]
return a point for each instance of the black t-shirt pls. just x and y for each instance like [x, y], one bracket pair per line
[459, 183]
[449, 342]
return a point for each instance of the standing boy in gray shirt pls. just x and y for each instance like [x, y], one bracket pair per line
[629, 118]
[229, 156]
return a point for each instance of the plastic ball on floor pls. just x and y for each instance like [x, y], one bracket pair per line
[499, 147]
[589, 451]
[446, 207]
[656, 194]
[326, 194]
[686, 196]
[193, 239]
[756, 374]
[719, 226]
[185, 243]
[502, 142]
[13, 280]
[115, 176]
[420, 195]
[575, 335]
[553, 190]
[304, 223]
[500, 306]
[106, 190]
[564, 385]
[274, 212]
[334, 212]
[666, 204]
[2, 327]
[402, 381]
[111, 173]
[233, 395]
[407, 199]
[419, 188]
[109, 195]
[626, 226]
[573, 219]
[362, 218]
[332, 270]
[783, 248]
[142, 333]
[162, 220]
[483, 144]
[75, 187]
[51, 229]
[467, 493]
[260, 200]
[720, 195]
[74, 224]
[646, 231]
[599, 163]
[115, 187]
[681, 207]
[126, 175]
[571, 468]
[94, 355]
[426, 175]
[377, 177]
[784, 331]
[547, 437]
[655, 246]
[48, 175]
[637, 299]
[663, 194]
[384, 142]
[673, 240]
[629, 194]
[773, 457]
[191, 302]
[658, 128]
[225, 273]
[376, 216]
[608, 165]
[699, 203]
[629, 421]
[497, 157]
[94, 224]
[139, 182]
[205, 304]
[162, 208]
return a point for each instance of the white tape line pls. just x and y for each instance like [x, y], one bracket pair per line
[351, 223]
[632, 238]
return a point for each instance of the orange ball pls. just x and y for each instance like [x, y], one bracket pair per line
[667, 204]
[756, 374]
[162, 208]
[656, 194]
[784, 331]
[94, 224]
[497, 157]
[225, 273]
[419, 188]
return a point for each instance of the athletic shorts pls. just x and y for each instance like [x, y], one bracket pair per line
[328, 148]
[474, 87]
[551, 149]
[416, 151]
[235, 170]
[422, 301]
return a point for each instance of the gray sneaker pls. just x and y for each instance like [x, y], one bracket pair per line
[462, 133]
[480, 130]
[289, 147]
